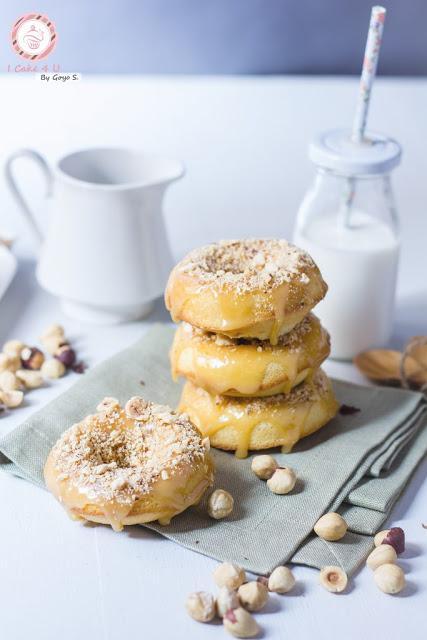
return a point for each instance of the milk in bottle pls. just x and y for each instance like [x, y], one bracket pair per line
[347, 222]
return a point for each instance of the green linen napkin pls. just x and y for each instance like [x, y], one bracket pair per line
[359, 464]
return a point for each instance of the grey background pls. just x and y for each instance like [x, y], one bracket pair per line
[225, 36]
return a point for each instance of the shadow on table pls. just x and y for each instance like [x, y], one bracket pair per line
[24, 287]
[159, 313]
[18, 296]
[410, 491]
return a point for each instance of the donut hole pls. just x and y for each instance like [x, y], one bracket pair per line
[118, 448]
[251, 263]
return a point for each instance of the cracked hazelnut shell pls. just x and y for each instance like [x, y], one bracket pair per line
[334, 579]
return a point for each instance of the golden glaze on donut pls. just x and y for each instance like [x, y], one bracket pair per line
[118, 470]
[258, 288]
[242, 424]
[243, 367]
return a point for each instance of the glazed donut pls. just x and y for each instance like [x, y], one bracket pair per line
[245, 288]
[249, 367]
[241, 424]
[123, 467]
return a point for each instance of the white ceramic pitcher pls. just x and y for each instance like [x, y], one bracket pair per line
[106, 253]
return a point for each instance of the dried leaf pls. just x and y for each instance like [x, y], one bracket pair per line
[384, 365]
[416, 351]
[380, 365]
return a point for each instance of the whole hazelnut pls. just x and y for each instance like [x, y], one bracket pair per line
[226, 599]
[264, 466]
[53, 330]
[52, 344]
[9, 363]
[281, 580]
[334, 579]
[32, 358]
[282, 481]
[66, 355]
[201, 606]
[108, 405]
[4, 361]
[9, 381]
[240, 623]
[331, 526]
[30, 379]
[229, 575]
[220, 504]
[384, 554]
[389, 578]
[11, 399]
[53, 369]
[13, 347]
[253, 595]
[394, 536]
[136, 408]
[380, 537]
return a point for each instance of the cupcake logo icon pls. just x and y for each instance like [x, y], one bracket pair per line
[33, 36]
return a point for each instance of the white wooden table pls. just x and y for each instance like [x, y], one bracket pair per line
[244, 143]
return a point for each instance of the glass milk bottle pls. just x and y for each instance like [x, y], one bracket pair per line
[348, 223]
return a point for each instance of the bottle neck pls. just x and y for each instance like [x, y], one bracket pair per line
[350, 199]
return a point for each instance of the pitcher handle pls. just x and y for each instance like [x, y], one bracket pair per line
[16, 191]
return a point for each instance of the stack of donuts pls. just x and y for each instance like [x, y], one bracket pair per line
[248, 344]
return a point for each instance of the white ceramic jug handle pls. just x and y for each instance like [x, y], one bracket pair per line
[16, 192]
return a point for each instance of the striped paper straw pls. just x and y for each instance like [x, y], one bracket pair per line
[369, 68]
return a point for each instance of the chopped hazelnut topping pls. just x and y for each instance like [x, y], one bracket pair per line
[108, 404]
[136, 408]
[113, 457]
[247, 265]
[293, 340]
